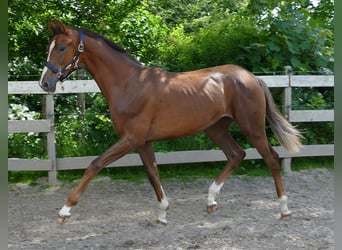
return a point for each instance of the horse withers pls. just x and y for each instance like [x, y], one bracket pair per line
[150, 104]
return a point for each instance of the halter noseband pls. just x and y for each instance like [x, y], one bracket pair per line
[74, 62]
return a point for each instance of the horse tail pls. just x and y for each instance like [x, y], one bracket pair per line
[287, 134]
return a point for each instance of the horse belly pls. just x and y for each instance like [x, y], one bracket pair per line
[183, 120]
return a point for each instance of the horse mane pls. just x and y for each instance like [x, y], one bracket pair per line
[110, 43]
[107, 41]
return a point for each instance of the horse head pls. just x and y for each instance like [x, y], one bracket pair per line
[64, 51]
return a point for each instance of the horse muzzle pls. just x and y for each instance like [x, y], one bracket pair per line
[48, 84]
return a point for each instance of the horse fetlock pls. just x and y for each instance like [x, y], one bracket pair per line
[283, 206]
[64, 214]
[164, 206]
[214, 189]
[285, 213]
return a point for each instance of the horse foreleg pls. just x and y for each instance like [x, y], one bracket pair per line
[147, 156]
[118, 150]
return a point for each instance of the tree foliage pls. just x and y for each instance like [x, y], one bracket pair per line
[260, 35]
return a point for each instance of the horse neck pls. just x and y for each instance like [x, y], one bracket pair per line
[112, 70]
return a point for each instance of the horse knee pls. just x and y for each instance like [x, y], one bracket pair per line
[94, 168]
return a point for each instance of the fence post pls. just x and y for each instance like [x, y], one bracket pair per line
[286, 162]
[51, 147]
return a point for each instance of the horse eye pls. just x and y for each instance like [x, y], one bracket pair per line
[61, 48]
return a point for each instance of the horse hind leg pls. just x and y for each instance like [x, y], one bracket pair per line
[147, 156]
[271, 159]
[220, 135]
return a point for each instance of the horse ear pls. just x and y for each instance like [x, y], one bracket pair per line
[58, 27]
[63, 28]
[52, 27]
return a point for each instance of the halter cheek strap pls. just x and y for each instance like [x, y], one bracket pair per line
[73, 64]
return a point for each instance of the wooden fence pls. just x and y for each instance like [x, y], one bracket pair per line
[53, 164]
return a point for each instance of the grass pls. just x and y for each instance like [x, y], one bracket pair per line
[312, 163]
[27, 177]
[182, 172]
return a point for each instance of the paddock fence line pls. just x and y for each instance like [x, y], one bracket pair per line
[53, 164]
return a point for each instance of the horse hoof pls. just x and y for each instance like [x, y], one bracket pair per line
[211, 208]
[161, 221]
[60, 220]
[285, 217]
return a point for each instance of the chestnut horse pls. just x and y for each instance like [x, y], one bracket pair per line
[149, 104]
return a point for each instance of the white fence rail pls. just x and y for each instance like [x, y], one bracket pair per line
[53, 164]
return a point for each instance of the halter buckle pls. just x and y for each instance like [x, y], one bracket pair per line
[81, 47]
[59, 74]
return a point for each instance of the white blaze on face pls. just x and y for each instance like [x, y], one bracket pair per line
[45, 69]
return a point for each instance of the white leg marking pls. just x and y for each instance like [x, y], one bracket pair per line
[214, 189]
[283, 205]
[163, 205]
[65, 211]
[45, 69]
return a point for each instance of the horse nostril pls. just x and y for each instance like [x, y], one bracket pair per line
[45, 84]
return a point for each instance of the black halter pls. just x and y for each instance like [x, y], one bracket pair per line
[60, 72]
